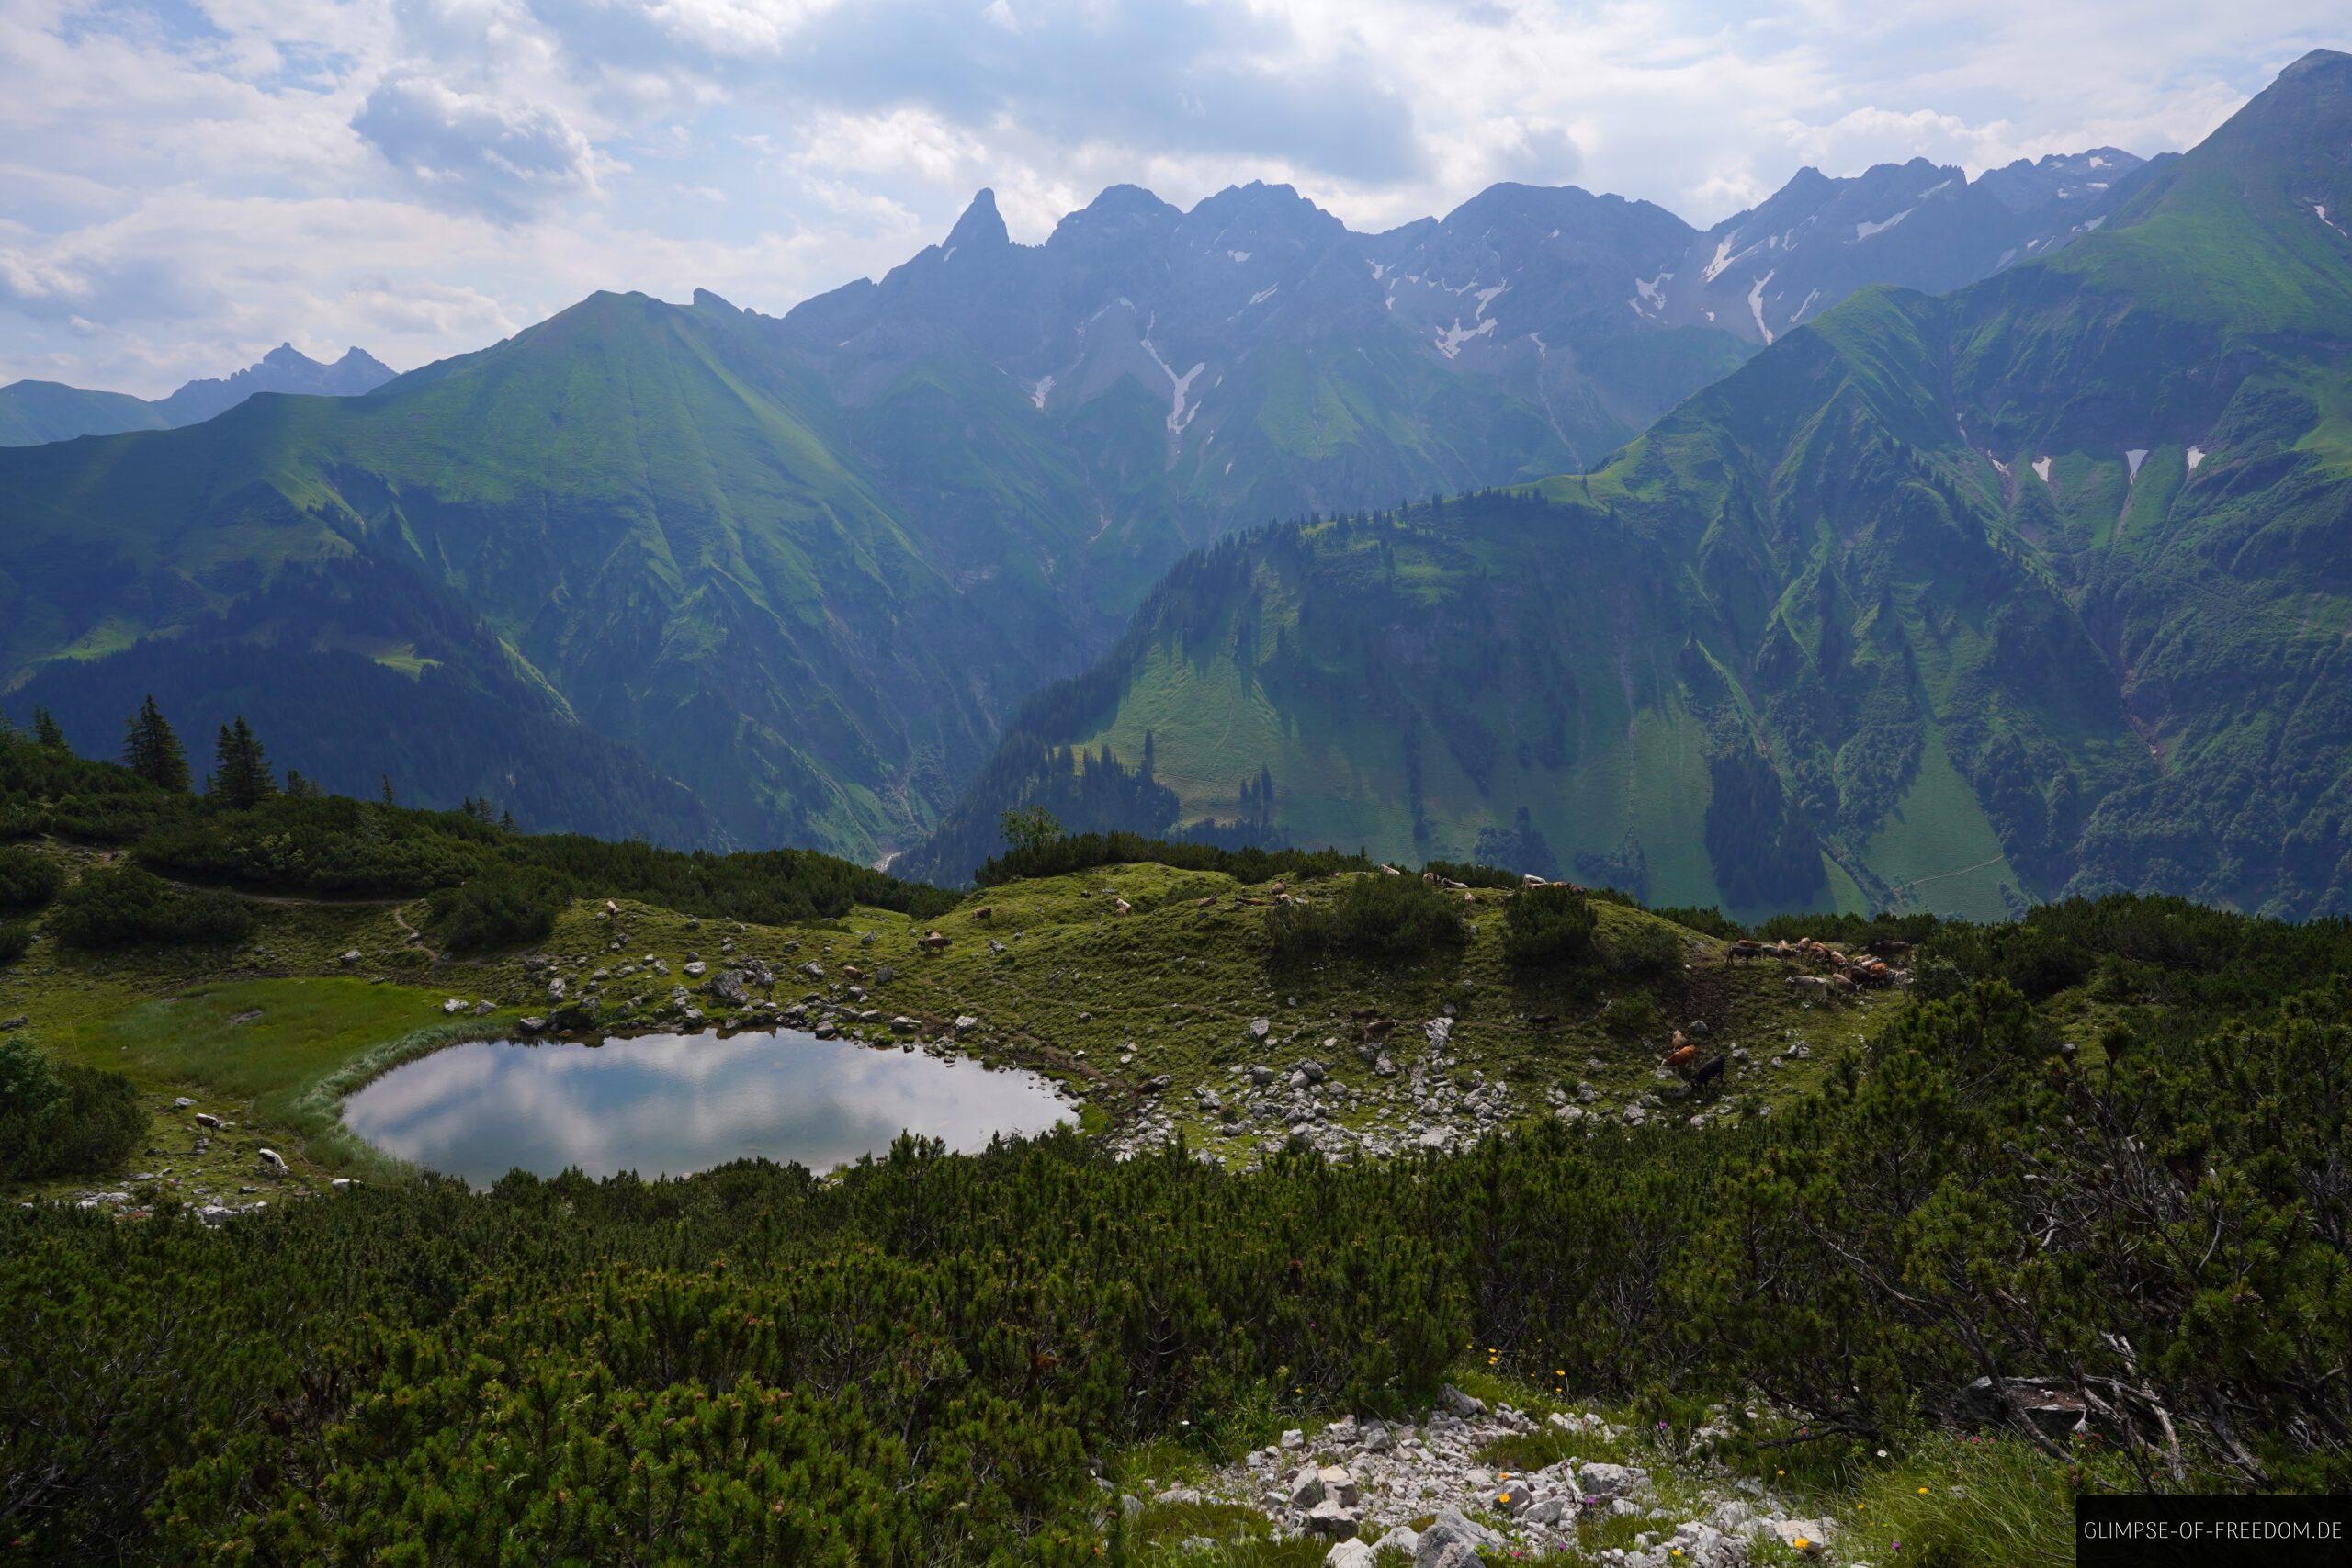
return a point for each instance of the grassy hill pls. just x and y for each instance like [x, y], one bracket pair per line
[35, 412]
[926, 1357]
[634, 520]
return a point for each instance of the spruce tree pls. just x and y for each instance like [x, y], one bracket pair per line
[240, 776]
[152, 751]
[47, 730]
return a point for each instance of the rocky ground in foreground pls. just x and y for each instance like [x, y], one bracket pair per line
[1441, 1493]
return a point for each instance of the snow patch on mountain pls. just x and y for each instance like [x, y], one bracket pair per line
[2132, 461]
[1179, 415]
[2195, 456]
[1755, 308]
[1037, 393]
[1864, 230]
[1450, 338]
[2041, 469]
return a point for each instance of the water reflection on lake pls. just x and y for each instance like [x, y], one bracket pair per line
[673, 1105]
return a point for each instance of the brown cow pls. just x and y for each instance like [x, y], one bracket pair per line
[1678, 1060]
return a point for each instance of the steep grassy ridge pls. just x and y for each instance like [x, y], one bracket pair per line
[1951, 604]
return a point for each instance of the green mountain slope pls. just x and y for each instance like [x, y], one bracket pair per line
[1938, 602]
[35, 412]
[643, 510]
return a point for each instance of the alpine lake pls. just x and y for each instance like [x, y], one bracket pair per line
[674, 1104]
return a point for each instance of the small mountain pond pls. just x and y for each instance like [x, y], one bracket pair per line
[674, 1104]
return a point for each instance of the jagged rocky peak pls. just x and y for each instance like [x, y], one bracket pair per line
[1121, 213]
[980, 228]
[1260, 215]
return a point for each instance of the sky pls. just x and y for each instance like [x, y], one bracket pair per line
[184, 184]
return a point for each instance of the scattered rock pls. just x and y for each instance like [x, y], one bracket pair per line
[1452, 1542]
[1333, 1518]
[1453, 1402]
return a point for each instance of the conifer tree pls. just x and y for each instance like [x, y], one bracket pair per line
[152, 751]
[240, 776]
[47, 730]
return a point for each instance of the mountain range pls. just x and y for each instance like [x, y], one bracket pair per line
[32, 413]
[1852, 559]
[2043, 585]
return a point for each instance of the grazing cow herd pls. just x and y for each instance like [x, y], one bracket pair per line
[1682, 1059]
[1842, 973]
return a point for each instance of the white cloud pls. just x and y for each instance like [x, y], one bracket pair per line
[473, 150]
[194, 180]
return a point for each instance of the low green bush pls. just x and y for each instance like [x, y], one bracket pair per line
[1705, 919]
[28, 879]
[1084, 851]
[124, 906]
[506, 908]
[1395, 920]
[1549, 927]
[15, 938]
[62, 1118]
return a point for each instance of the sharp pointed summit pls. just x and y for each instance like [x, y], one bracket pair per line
[981, 227]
